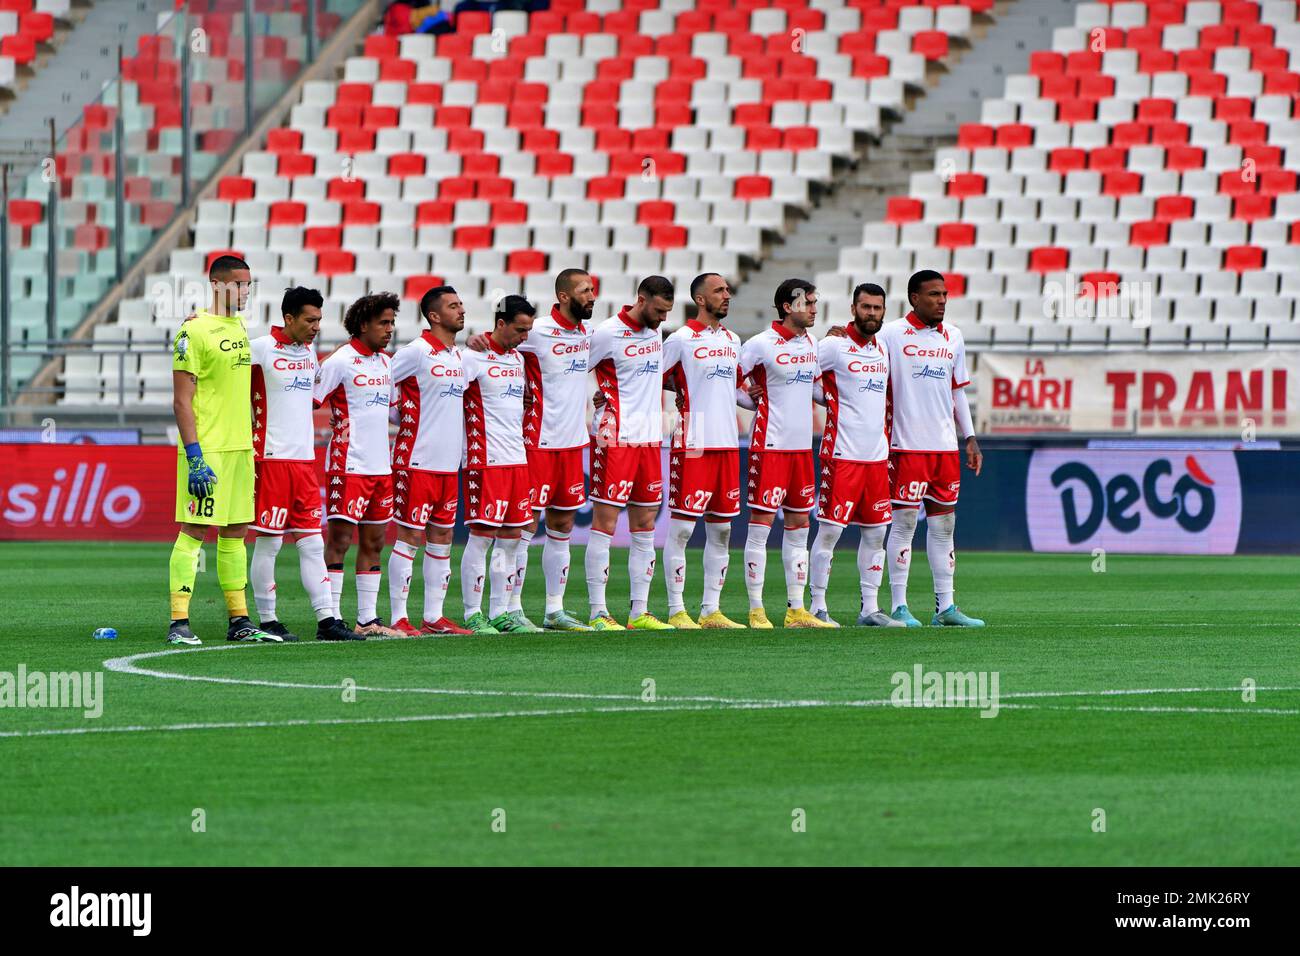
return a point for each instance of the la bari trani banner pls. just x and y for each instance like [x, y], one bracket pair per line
[1235, 394]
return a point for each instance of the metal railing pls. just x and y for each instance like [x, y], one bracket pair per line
[74, 221]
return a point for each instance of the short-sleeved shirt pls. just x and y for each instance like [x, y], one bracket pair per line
[429, 392]
[354, 381]
[494, 407]
[925, 366]
[284, 374]
[703, 364]
[784, 366]
[555, 364]
[626, 357]
[855, 379]
[215, 350]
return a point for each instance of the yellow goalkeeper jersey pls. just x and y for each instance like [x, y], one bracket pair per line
[215, 349]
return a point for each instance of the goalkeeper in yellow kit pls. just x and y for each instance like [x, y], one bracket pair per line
[211, 378]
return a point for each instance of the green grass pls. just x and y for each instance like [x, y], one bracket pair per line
[624, 781]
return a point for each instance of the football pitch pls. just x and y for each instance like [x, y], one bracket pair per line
[1126, 729]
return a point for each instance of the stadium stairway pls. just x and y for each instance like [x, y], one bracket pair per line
[82, 63]
[860, 193]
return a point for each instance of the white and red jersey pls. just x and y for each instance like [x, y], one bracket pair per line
[355, 383]
[284, 374]
[555, 362]
[626, 357]
[925, 365]
[703, 364]
[855, 379]
[494, 407]
[784, 365]
[428, 390]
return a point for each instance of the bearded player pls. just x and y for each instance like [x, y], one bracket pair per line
[781, 363]
[701, 365]
[854, 455]
[930, 413]
[288, 492]
[626, 470]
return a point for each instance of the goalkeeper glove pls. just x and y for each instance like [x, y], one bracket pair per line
[202, 478]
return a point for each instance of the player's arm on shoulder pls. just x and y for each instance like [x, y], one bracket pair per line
[478, 342]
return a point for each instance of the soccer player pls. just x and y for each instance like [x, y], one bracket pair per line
[211, 376]
[287, 492]
[355, 382]
[498, 486]
[701, 364]
[781, 362]
[429, 388]
[555, 436]
[626, 471]
[927, 378]
[854, 454]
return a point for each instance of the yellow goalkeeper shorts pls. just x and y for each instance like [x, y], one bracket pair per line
[231, 501]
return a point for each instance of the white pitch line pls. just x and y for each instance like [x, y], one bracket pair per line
[127, 665]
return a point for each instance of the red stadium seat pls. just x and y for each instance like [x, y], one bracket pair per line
[416, 286]
[668, 237]
[965, 185]
[1015, 136]
[975, 136]
[1067, 159]
[1174, 208]
[955, 283]
[1122, 183]
[286, 214]
[236, 188]
[900, 209]
[931, 44]
[955, 235]
[604, 188]
[1252, 208]
[359, 212]
[1243, 258]
[1148, 234]
[1098, 285]
[1234, 182]
[525, 262]
[322, 238]
[335, 262]
[28, 212]
[435, 212]
[470, 238]
[293, 165]
[752, 187]
[1049, 259]
[402, 165]
[656, 213]
[342, 190]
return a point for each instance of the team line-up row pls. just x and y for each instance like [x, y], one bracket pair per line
[507, 414]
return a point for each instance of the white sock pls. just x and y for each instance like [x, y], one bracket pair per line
[473, 572]
[717, 537]
[315, 579]
[641, 570]
[597, 563]
[400, 563]
[367, 596]
[756, 562]
[794, 555]
[940, 550]
[900, 553]
[336, 590]
[679, 532]
[437, 578]
[261, 574]
[871, 567]
[502, 573]
[521, 571]
[819, 563]
[555, 568]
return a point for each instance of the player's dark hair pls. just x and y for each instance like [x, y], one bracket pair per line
[921, 278]
[222, 266]
[430, 298]
[655, 287]
[567, 279]
[297, 297]
[868, 288]
[698, 282]
[513, 306]
[368, 308]
[787, 292]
